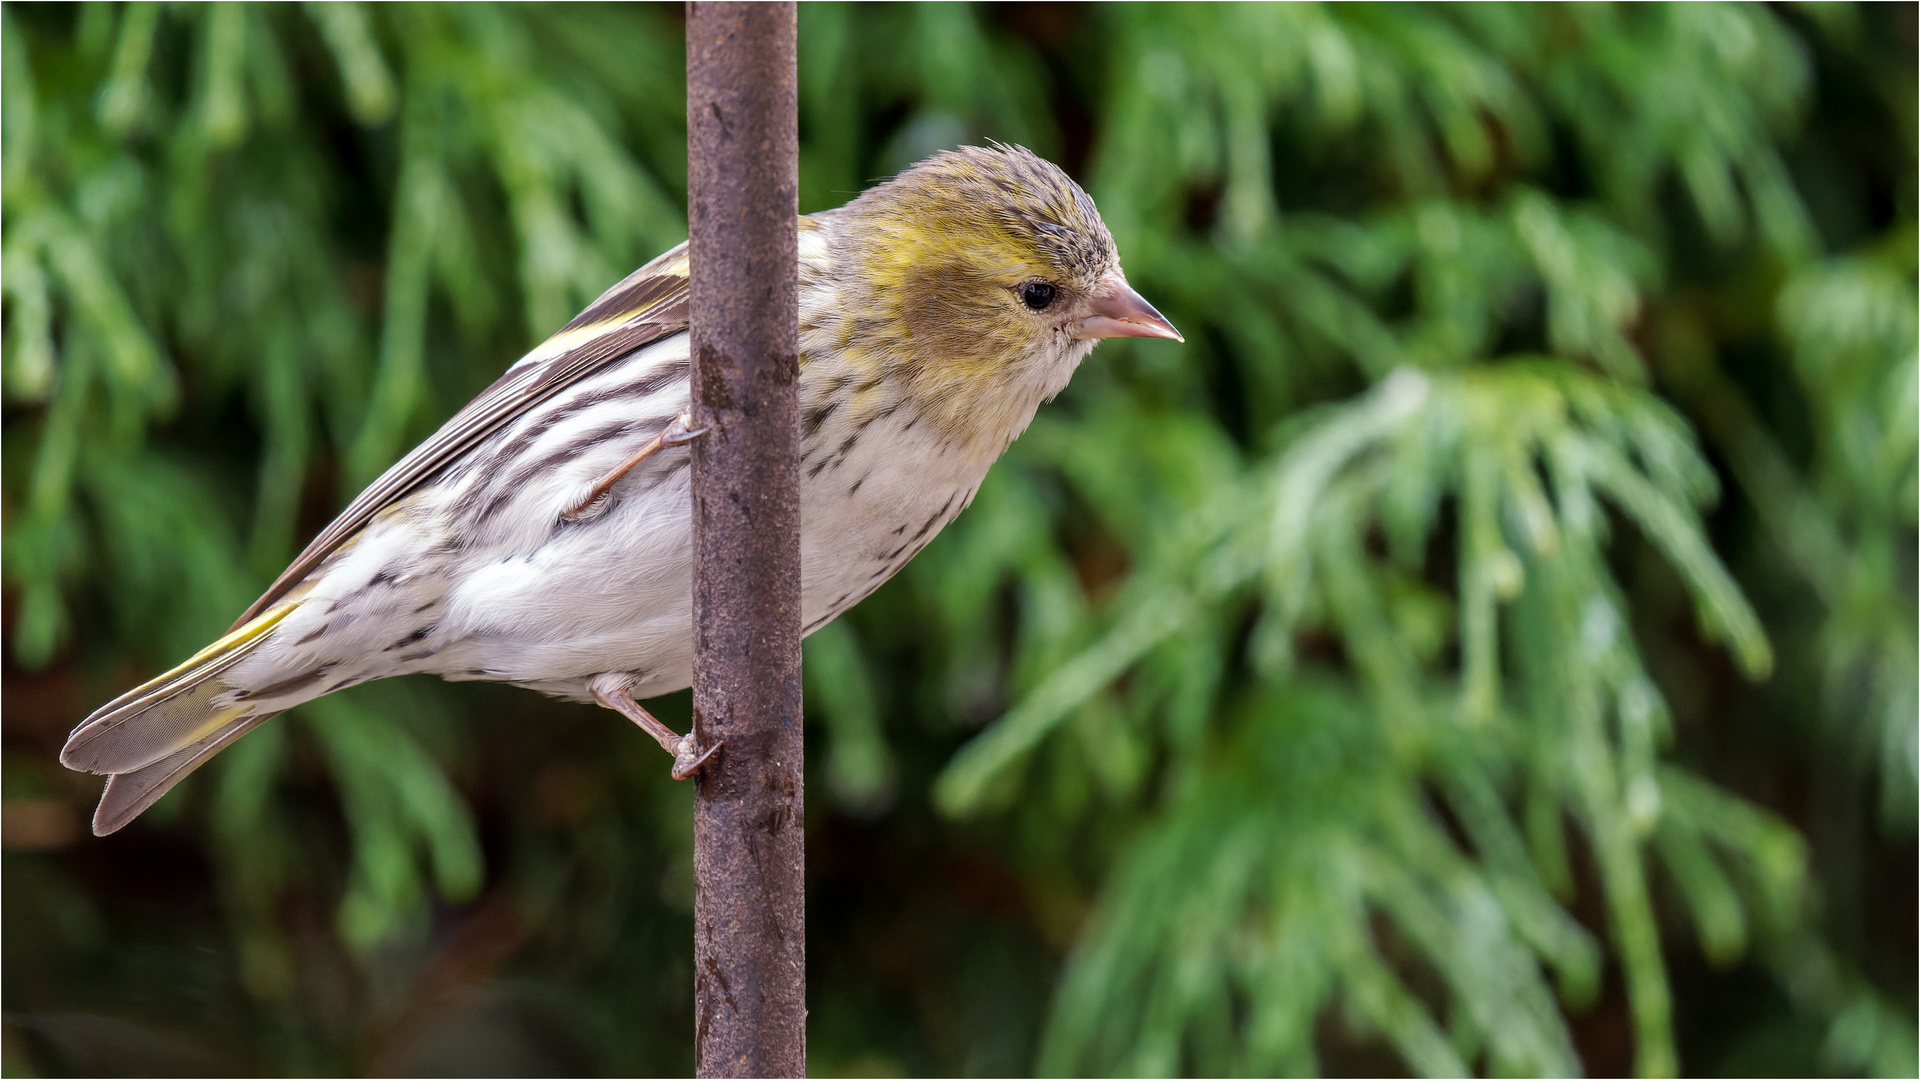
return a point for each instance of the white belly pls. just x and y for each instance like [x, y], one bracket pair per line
[616, 594]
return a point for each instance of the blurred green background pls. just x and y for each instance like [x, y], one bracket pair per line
[1487, 645]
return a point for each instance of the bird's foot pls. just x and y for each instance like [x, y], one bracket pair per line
[685, 761]
[687, 757]
[682, 431]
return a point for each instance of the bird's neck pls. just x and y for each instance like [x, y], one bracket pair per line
[849, 379]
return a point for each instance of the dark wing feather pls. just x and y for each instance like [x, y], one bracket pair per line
[650, 304]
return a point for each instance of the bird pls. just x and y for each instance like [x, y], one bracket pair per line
[542, 536]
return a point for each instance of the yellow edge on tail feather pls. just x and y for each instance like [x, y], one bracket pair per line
[156, 689]
[246, 635]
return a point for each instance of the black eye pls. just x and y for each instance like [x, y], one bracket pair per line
[1036, 295]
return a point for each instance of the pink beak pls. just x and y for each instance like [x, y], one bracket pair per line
[1118, 311]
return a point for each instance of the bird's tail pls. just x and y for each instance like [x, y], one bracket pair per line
[149, 738]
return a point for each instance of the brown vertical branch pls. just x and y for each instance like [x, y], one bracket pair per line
[749, 863]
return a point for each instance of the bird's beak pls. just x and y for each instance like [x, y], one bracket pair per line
[1118, 311]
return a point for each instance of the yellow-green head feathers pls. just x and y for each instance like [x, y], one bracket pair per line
[991, 211]
[964, 277]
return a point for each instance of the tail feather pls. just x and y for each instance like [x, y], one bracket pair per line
[154, 731]
[128, 794]
[155, 734]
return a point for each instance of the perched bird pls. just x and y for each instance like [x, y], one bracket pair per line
[542, 536]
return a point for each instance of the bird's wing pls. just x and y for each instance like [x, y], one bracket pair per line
[649, 305]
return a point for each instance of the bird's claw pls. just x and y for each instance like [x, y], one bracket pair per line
[685, 763]
[681, 432]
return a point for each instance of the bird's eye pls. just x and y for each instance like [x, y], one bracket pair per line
[1037, 295]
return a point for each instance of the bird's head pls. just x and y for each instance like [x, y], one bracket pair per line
[991, 269]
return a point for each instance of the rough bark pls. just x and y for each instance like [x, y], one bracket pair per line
[749, 862]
